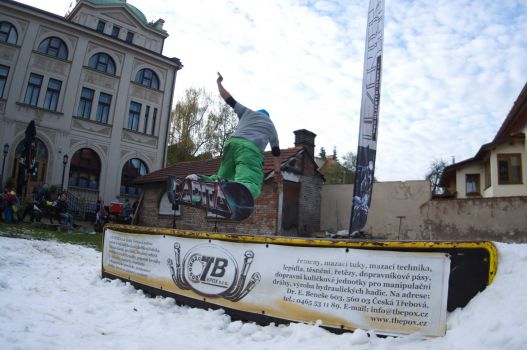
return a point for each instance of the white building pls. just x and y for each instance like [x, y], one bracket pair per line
[98, 88]
[498, 168]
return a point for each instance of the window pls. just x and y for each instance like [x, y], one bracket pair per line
[148, 78]
[154, 117]
[147, 112]
[54, 46]
[85, 103]
[115, 31]
[103, 109]
[51, 100]
[100, 26]
[132, 169]
[4, 72]
[472, 184]
[33, 89]
[85, 169]
[102, 62]
[133, 116]
[488, 181]
[8, 33]
[509, 169]
[129, 37]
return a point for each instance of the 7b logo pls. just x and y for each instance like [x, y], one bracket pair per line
[210, 270]
[201, 267]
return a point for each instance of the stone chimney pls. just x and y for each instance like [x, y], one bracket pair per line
[305, 138]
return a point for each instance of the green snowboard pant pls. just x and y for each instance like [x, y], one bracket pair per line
[242, 162]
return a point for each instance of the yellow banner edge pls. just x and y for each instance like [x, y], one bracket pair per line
[318, 242]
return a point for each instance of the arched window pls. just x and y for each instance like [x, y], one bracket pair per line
[102, 62]
[8, 33]
[54, 46]
[131, 170]
[148, 78]
[85, 169]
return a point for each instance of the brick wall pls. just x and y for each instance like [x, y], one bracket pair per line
[262, 221]
[149, 210]
[501, 219]
[405, 211]
[309, 205]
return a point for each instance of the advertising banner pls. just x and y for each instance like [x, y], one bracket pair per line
[369, 117]
[390, 292]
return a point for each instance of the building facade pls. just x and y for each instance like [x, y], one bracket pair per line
[98, 88]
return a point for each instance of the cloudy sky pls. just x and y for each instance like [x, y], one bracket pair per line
[451, 70]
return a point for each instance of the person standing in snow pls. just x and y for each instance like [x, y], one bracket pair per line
[243, 153]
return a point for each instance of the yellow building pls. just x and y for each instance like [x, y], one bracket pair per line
[498, 168]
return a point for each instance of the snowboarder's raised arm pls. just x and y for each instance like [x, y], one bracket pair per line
[224, 93]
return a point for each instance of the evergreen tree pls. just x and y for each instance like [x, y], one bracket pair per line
[349, 163]
[336, 173]
[322, 153]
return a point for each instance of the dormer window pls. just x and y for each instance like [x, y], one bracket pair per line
[129, 37]
[115, 31]
[100, 26]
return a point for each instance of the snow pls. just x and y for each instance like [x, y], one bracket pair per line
[52, 297]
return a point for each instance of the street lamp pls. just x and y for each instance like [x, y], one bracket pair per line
[6, 149]
[64, 162]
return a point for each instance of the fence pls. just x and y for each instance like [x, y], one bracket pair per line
[406, 211]
[82, 202]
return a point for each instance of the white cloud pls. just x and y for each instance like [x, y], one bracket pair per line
[451, 70]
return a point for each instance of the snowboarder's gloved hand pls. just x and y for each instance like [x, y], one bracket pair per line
[193, 177]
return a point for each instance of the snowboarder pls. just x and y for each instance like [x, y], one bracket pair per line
[243, 153]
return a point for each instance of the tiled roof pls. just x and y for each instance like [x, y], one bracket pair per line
[208, 167]
[449, 173]
[517, 117]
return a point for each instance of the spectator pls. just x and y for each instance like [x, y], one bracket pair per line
[11, 206]
[101, 216]
[126, 215]
[33, 207]
[62, 210]
[2, 204]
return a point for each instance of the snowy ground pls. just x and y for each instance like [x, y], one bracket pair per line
[51, 297]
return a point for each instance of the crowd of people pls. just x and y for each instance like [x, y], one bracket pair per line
[44, 201]
[50, 203]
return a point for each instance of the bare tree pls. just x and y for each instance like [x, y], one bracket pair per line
[200, 125]
[223, 122]
[434, 175]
